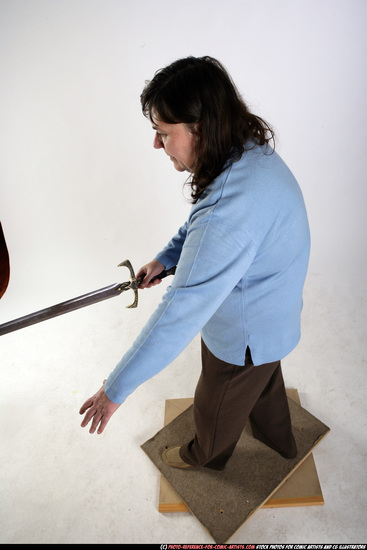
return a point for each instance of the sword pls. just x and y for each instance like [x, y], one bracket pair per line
[82, 301]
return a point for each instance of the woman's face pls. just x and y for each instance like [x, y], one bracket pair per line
[177, 141]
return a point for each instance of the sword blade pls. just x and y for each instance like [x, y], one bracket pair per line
[64, 307]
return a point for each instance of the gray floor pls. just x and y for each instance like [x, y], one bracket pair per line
[59, 484]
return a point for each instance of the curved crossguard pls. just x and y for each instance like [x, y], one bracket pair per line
[135, 282]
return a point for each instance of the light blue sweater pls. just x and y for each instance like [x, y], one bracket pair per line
[242, 259]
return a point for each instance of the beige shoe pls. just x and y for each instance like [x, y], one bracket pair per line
[171, 457]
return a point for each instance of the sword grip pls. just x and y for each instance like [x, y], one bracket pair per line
[165, 273]
[161, 275]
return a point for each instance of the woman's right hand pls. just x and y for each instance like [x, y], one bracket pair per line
[148, 271]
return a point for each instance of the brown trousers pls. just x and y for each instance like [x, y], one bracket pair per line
[226, 396]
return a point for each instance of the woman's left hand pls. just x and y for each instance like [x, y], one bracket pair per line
[99, 409]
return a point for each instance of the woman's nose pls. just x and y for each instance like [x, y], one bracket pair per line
[157, 143]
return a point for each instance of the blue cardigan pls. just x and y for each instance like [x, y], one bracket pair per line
[241, 259]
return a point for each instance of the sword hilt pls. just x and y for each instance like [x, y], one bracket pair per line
[135, 282]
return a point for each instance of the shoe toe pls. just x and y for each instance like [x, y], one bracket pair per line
[171, 457]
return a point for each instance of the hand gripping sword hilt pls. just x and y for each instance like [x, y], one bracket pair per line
[135, 282]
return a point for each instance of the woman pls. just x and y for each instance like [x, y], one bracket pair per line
[241, 259]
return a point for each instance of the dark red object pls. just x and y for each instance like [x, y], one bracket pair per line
[4, 263]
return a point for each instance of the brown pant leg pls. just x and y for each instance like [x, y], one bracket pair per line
[270, 418]
[224, 398]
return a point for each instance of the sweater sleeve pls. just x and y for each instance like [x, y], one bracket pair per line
[213, 259]
[170, 255]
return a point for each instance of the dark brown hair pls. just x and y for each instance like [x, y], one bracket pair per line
[199, 92]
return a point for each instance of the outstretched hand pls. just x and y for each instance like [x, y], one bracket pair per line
[148, 271]
[99, 409]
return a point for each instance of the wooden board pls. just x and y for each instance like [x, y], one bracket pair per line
[302, 488]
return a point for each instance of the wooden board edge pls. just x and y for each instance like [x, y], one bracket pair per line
[291, 502]
[172, 507]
